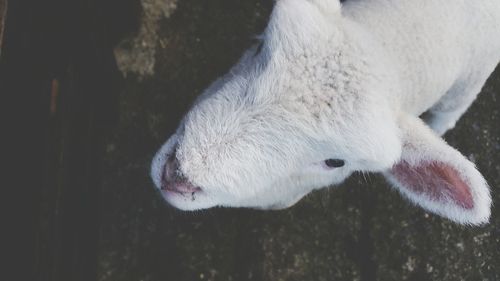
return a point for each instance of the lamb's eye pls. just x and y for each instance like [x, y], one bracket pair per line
[334, 163]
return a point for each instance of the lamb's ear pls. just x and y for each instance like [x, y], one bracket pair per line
[327, 6]
[437, 177]
[298, 20]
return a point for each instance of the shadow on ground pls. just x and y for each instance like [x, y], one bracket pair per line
[360, 230]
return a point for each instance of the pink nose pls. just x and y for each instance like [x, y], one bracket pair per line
[174, 180]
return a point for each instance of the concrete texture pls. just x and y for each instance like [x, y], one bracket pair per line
[138, 55]
[361, 230]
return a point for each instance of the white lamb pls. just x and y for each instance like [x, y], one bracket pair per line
[332, 89]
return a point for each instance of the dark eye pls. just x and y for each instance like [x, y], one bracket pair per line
[334, 163]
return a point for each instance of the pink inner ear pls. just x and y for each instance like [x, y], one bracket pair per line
[437, 180]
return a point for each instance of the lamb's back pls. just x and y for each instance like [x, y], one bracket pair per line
[432, 44]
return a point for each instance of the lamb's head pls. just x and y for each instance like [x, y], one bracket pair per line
[302, 110]
[298, 112]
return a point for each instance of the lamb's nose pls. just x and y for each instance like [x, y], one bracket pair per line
[174, 180]
[172, 171]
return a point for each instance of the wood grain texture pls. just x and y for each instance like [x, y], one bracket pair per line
[3, 15]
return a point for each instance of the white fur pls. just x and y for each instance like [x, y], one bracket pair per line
[336, 82]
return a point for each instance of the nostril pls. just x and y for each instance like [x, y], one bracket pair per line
[164, 179]
[169, 171]
[172, 170]
[173, 162]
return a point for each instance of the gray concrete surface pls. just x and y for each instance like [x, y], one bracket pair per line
[361, 230]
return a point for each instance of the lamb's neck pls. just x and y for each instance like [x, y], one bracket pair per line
[380, 72]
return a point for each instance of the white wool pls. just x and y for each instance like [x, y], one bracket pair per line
[339, 82]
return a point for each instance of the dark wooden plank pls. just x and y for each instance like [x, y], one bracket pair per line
[59, 79]
[3, 14]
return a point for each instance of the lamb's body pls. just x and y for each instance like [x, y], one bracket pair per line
[443, 53]
[335, 89]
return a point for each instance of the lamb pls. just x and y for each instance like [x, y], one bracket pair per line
[335, 88]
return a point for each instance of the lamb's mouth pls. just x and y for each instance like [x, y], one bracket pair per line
[187, 200]
[178, 185]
